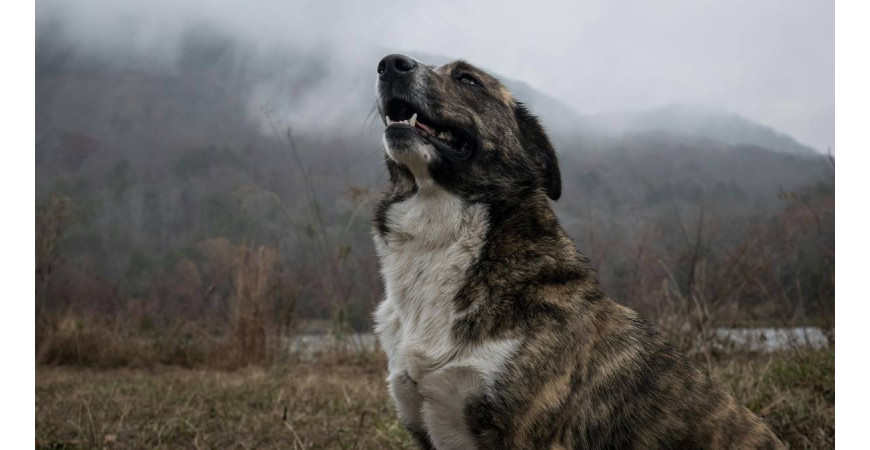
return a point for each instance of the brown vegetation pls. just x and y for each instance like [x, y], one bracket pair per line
[343, 403]
[326, 405]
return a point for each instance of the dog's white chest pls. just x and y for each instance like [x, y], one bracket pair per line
[434, 238]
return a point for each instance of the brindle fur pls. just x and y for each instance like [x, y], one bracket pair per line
[589, 373]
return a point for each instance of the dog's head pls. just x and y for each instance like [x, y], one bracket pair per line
[459, 128]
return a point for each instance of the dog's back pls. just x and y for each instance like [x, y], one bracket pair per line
[590, 373]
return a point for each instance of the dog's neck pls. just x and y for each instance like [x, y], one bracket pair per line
[431, 212]
[434, 217]
[529, 218]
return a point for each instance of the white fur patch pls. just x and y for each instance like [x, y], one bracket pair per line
[434, 238]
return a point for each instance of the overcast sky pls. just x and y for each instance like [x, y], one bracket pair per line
[769, 60]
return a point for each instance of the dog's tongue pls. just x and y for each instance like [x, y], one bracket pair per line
[424, 127]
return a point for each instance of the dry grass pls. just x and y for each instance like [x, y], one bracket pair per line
[341, 406]
[792, 391]
[345, 405]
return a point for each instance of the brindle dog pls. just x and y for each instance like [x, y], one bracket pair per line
[497, 332]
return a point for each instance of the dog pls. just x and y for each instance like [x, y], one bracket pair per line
[496, 330]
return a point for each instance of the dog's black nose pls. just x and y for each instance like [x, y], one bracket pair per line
[394, 66]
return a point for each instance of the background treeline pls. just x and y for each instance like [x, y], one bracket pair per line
[201, 208]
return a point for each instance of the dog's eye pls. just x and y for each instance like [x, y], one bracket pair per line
[468, 79]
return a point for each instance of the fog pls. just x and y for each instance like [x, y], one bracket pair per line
[769, 61]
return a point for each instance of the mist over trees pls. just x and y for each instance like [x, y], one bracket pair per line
[232, 187]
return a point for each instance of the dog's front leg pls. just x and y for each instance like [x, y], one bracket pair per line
[409, 404]
[445, 394]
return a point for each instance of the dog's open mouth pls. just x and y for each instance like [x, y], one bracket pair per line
[399, 113]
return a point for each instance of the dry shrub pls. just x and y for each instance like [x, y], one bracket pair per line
[255, 278]
[90, 340]
[779, 273]
[259, 297]
[230, 311]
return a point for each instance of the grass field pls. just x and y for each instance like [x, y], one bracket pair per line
[334, 405]
[345, 405]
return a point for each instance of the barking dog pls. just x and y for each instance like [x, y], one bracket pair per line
[497, 332]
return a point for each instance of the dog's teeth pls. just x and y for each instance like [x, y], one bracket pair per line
[389, 121]
[413, 120]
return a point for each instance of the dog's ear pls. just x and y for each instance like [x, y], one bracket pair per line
[535, 141]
